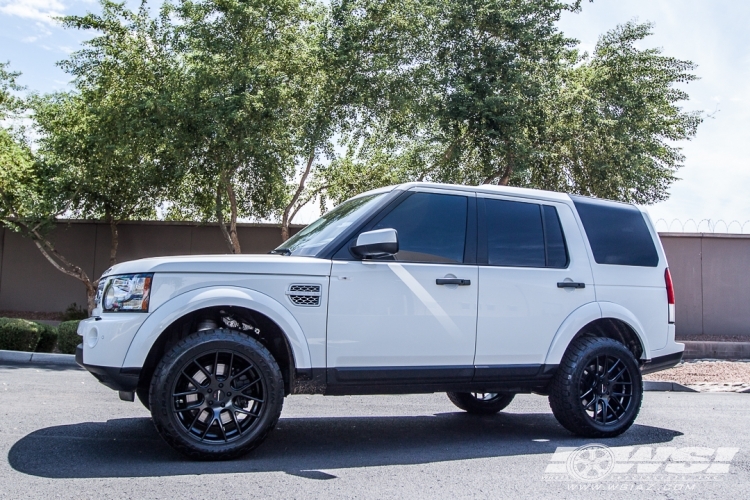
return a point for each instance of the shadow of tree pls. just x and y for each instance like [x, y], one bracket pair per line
[131, 447]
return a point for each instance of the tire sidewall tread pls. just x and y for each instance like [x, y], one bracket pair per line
[564, 397]
[161, 393]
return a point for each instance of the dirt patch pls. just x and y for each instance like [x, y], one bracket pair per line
[708, 376]
[713, 338]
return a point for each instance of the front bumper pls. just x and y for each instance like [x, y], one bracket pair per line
[119, 379]
[660, 363]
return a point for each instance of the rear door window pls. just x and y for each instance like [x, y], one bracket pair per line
[523, 235]
[617, 233]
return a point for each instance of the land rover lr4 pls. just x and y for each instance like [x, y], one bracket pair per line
[481, 292]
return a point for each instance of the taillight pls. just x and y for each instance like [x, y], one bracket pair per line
[670, 295]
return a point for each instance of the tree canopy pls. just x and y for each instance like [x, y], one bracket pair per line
[223, 110]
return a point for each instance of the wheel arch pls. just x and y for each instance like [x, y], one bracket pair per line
[279, 330]
[599, 319]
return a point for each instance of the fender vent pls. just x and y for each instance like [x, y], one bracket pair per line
[304, 295]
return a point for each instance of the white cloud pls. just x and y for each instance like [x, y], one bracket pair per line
[39, 10]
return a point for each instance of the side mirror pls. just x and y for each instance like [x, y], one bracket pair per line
[378, 243]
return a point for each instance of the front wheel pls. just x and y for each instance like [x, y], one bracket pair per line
[216, 394]
[597, 390]
[481, 403]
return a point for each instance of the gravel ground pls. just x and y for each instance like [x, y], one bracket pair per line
[713, 338]
[708, 375]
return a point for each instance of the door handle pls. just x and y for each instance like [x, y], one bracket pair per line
[452, 281]
[570, 284]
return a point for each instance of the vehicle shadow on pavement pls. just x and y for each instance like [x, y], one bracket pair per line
[130, 447]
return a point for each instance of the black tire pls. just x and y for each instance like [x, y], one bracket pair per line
[142, 393]
[481, 403]
[597, 390]
[216, 394]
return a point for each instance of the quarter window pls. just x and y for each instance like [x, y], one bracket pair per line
[431, 227]
[617, 233]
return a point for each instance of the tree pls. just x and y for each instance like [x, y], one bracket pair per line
[481, 68]
[507, 100]
[356, 77]
[16, 160]
[101, 150]
[613, 121]
[245, 70]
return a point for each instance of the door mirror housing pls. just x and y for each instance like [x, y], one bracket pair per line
[378, 243]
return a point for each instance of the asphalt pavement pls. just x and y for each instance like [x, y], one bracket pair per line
[66, 436]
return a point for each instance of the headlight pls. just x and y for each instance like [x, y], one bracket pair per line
[128, 292]
[100, 290]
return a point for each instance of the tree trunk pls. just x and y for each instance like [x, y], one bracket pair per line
[507, 172]
[234, 240]
[288, 215]
[65, 266]
[114, 241]
[230, 234]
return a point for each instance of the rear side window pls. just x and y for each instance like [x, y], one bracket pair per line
[617, 233]
[523, 235]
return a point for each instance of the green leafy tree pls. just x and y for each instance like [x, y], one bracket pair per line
[102, 150]
[355, 79]
[613, 121]
[245, 67]
[506, 99]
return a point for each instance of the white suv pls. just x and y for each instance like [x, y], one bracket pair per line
[480, 292]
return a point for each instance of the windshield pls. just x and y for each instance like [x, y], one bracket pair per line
[314, 237]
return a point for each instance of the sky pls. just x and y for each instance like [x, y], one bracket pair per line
[714, 184]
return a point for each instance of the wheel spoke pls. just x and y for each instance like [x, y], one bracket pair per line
[192, 424]
[619, 374]
[193, 406]
[240, 374]
[192, 380]
[612, 368]
[208, 426]
[216, 364]
[618, 404]
[247, 386]
[586, 393]
[205, 372]
[254, 415]
[221, 427]
[187, 393]
[592, 402]
[605, 411]
[252, 397]
[236, 422]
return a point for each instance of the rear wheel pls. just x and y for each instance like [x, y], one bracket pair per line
[481, 403]
[216, 395]
[597, 390]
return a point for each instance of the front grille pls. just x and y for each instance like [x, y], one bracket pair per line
[304, 295]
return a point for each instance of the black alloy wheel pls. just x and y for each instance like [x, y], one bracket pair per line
[481, 403]
[216, 394]
[606, 388]
[597, 390]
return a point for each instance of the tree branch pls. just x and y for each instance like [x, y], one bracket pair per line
[286, 220]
